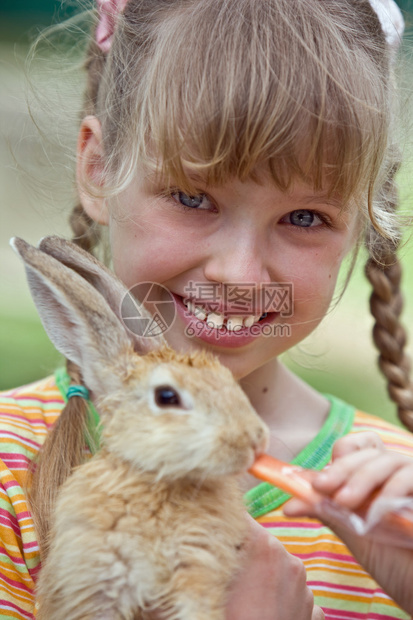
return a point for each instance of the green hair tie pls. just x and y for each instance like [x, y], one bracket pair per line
[78, 390]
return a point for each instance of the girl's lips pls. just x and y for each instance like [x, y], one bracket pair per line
[197, 328]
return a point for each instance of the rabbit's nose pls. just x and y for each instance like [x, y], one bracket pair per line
[261, 440]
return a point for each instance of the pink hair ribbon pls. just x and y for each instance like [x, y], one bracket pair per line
[108, 13]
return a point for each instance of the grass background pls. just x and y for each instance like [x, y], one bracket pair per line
[36, 191]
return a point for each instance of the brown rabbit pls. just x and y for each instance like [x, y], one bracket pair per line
[155, 519]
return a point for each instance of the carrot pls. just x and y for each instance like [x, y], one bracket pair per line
[290, 478]
[296, 481]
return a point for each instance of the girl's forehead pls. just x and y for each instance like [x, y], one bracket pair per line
[194, 181]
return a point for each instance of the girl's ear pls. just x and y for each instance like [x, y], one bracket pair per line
[90, 170]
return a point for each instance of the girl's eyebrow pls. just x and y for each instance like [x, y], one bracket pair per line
[325, 199]
[156, 176]
[153, 176]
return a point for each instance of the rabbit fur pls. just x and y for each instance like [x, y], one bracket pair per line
[154, 520]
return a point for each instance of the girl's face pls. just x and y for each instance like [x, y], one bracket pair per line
[246, 237]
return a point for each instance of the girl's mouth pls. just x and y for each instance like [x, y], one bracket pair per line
[219, 329]
[214, 319]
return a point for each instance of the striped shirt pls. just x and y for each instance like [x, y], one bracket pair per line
[341, 587]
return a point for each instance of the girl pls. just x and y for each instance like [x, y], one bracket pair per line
[241, 144]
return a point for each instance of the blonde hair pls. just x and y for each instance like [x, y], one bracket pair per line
[225, 88]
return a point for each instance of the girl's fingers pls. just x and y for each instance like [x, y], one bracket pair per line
[339, 473]
[353, 479]
[318, 613]
[370, 476]
[349, 453]
[297, 508]
[355, 442]
[401, 484]
[390, 472]
[360, 466]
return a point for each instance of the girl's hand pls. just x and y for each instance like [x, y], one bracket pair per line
[272, 584]
[360, 466]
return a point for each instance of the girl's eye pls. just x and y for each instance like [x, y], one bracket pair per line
[192, 202]
[303, 218]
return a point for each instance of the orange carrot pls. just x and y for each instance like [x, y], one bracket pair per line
[296, 481]
[290, 478]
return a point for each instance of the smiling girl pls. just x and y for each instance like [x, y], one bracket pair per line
[242, 143]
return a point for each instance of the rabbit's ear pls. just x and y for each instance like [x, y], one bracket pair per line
[104, 281]
[76, 318]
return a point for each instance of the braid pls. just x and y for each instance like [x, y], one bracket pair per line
[64, 447]
[383, 270]
[63, 450]
[86, 233]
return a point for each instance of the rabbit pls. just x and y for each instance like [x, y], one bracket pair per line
[155, 519]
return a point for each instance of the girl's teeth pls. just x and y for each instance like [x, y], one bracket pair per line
[190, 306]
[249, 321]
[215, 320]
[196, 310]
[235, 323]
[199, 313]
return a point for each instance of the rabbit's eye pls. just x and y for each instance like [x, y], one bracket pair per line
[166, 396]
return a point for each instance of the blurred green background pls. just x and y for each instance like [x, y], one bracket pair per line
[36, 192]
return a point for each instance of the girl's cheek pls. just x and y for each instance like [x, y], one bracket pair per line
[318, 265]
[314, 280]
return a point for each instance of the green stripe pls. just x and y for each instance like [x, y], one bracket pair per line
[296, 532]
[33, 562]
[28, 402]
[367, 608]
[21, 448]
[386, 610]
[20, 568]
[265, 497]
[94, 429]
[12, 491]
[6, 505]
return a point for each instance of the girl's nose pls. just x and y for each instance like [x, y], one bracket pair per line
[237, 259]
